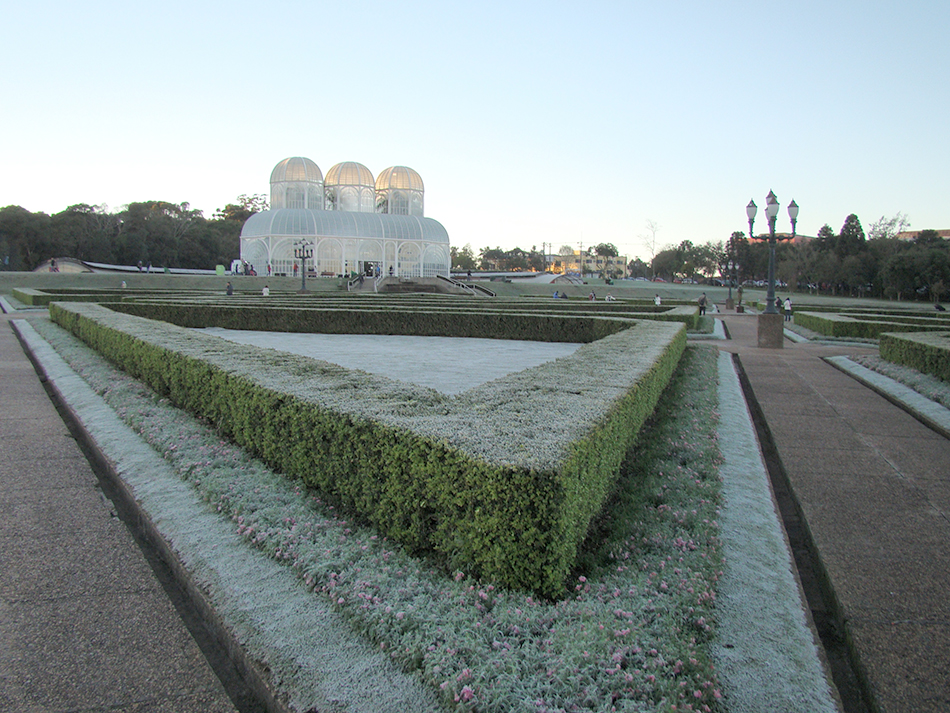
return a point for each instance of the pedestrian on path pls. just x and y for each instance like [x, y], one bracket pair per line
[788, 309]
[702, 304]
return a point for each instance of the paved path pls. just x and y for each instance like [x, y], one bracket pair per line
[85, 625]
[873, 487]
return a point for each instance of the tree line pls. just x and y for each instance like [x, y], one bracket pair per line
[159, 233]
[517, 259]
[851, 262]
[847, 262]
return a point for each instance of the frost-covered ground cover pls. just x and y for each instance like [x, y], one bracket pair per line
[634, 635]
[450, 365]
[924, 384]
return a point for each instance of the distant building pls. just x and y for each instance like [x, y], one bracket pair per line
[786, 237]
[912, 234]
[583, 263]
[351, 221]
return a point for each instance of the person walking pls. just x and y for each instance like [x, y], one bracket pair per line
[702, 304]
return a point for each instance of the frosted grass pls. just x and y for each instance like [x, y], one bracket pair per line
[634, 633]
[449, 365]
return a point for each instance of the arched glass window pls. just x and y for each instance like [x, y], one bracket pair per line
[435, 262]
[315, 197]
[398, 203]
[409, 263]
[295, 197]
[329, 258]
[349, 199]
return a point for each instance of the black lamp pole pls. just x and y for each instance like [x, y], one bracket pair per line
[771, 212]
[303, 251]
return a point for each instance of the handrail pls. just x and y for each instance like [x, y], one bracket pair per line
[472, 287]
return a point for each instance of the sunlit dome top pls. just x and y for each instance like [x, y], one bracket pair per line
[296, 169]
[399, 178]
[349, 173]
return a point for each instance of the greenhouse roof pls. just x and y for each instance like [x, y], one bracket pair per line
[298, 222]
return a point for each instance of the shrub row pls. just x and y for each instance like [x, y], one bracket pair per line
[500, 482]
[36, 297]
[41, 298]
[192, 309]
[927, 352]
[862, 326]
[457, 323]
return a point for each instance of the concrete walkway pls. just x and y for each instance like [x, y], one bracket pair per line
[871, 485]
[85, 625]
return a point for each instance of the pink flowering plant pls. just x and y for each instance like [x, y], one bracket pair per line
[631, 632]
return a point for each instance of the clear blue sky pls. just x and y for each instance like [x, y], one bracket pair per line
[529, 122]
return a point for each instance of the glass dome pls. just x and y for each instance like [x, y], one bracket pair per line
[296, 183]
[399, 191]
[400, 178]
[350, 173]
[296, 169]
[350, 187]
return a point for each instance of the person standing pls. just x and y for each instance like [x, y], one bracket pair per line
[702, 304]
[229, 289]
[788, 309]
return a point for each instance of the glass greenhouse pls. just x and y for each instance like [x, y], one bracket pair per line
[353, 223]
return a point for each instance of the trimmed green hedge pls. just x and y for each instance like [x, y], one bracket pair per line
[41, 298]
[500, 482]
[927, 352]
[455, 323]
[867, 326]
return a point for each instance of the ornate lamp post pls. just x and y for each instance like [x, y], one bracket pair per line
[771, 328]
[303, 251]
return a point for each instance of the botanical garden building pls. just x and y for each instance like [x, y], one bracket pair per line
[352, 222]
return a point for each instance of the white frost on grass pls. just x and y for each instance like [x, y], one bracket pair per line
[309, 650]
[450, 365]
[766, 654]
